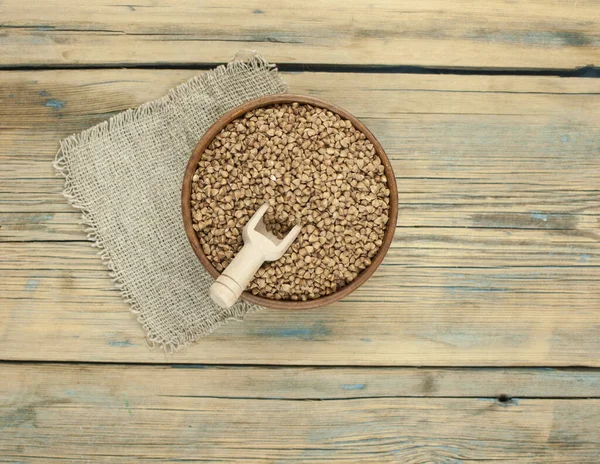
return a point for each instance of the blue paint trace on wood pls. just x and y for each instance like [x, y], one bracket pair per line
[584, 257]
[31, 285]
[354, 386]
[70, 392]
[127, 405]
[11, 95]
[21, 417]
[257, 11]
[314, 332]
[121, 343]
[38, 218]
[366, 340]
[565, 139]
[539, 215]
[43, 93]
[55, 104]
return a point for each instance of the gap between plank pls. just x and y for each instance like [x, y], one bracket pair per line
[589, 71]
[173, 365]
[503, 399]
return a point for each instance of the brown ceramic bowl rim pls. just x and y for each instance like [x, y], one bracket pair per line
[270, 101]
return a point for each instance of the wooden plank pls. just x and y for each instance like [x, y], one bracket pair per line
[200, 380]
[561, 121]
[65, 226]
[75, 99]
[430, 316]
[565, 205]
[519, 34]
[412, 246]
[139, 413]
[495, 260]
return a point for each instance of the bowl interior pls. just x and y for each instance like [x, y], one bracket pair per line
[269, 101]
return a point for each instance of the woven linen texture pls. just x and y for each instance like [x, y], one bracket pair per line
[125, 176]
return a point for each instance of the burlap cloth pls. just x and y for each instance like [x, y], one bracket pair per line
[125, 176]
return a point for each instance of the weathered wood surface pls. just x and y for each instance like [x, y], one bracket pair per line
[495, 259]
[495, 33]
[495, 262]
[258, 382]
[198, 413]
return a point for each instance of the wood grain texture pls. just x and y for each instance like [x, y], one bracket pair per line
[201, 380]
[494, 261]
[518, 34]
[504, 317]
[92, 413]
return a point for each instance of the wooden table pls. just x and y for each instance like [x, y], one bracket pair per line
[477, 340]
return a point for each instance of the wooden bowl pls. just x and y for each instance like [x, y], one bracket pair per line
[239, 111]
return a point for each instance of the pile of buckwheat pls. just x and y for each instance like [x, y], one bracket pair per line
[315, 169]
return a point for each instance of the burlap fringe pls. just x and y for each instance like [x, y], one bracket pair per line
[61, 164]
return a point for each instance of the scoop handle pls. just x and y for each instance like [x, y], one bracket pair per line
[236, 277]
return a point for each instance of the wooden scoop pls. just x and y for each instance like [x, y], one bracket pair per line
[260, 245]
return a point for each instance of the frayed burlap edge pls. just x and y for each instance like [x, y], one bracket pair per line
[74, 198]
